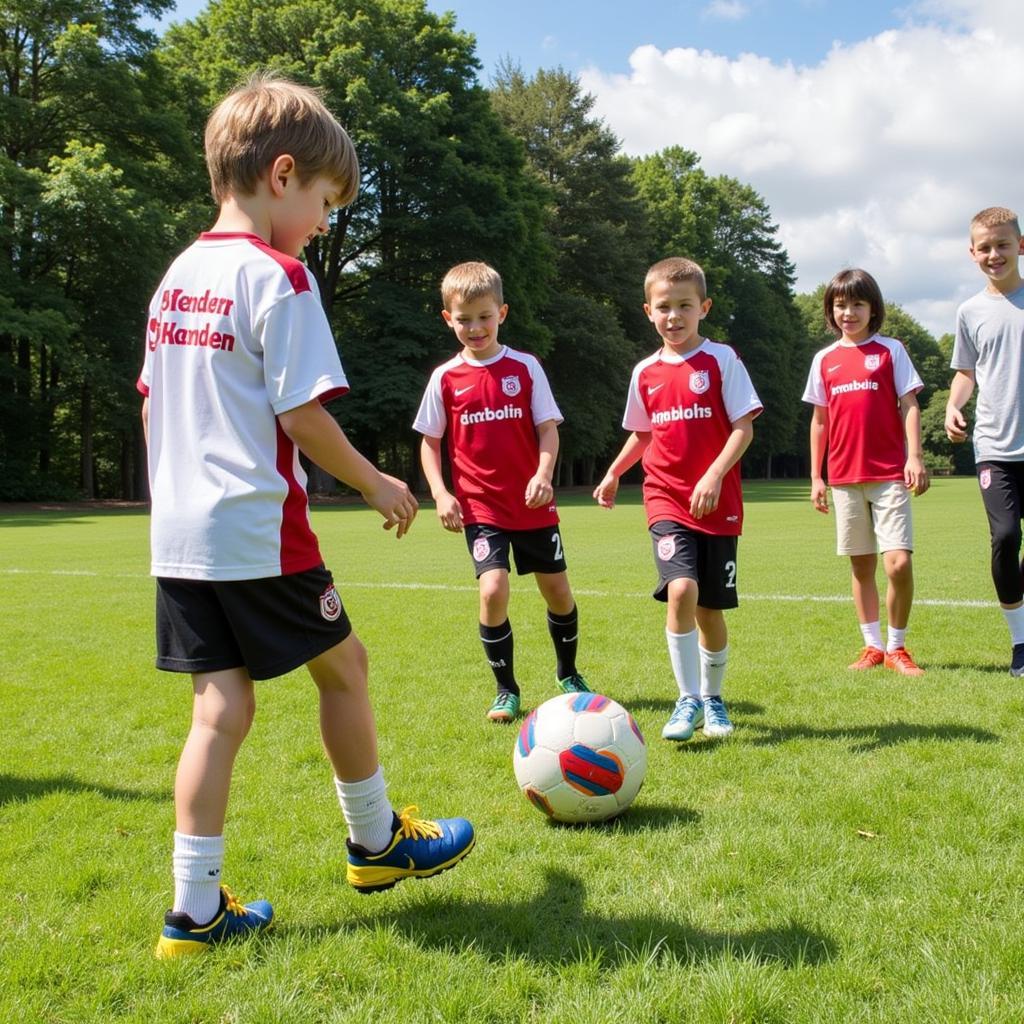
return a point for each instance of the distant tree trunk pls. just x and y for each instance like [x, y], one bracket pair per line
[88, 476]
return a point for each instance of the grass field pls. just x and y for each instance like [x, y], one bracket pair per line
[852, 854]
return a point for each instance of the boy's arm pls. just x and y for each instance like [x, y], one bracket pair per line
[449, 511]
[819, 442]
[145, 419]
[960, 390]
[632, 451]
[317, 434]
[538, 489]
[915, 476]
[706, 491]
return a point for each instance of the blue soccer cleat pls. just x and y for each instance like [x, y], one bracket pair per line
[182, 936]
[686, 716]
[716, 718]
[418, 849]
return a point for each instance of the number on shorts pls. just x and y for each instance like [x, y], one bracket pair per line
[557, 541]
[730, 575]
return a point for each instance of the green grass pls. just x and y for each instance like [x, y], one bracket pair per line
[852, 854]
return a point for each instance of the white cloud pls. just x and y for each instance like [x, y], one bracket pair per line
[877, 156]
[726, 10]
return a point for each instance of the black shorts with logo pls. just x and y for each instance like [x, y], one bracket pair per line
[681, 553]
[535, 550]
[267, 626]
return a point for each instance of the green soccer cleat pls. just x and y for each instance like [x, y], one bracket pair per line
[183, 937]
[418, 849]
[574, 684]
[505, 707]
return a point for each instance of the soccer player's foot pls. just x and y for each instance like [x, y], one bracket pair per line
[505, 707]
[574, 684]
[716, 718]
[686, 716]
[1017, 661]
[901, 661]
[418, 849]
[182, 936]
[870, 657]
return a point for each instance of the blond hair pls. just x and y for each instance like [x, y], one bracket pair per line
[266, 117]
[469, 281]
[995, 217]
[675, 270]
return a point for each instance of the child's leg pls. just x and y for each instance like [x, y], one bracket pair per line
[714, 649]
[681, 635]
[496, 630]
[563, 620]
[865, 597]
[900, 594]
[349, 735]
[223, 706]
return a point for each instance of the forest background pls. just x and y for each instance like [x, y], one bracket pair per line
[102, 182]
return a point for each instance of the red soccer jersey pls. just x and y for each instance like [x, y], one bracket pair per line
[689, 405]
[861, 386]
[489, 410]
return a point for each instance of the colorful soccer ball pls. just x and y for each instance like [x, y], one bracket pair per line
[580, 757]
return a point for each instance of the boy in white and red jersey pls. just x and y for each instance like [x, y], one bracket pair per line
[691, 408]
[239, 361]
[863, 389]
[496, 407]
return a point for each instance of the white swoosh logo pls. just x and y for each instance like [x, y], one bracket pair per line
[650, 391]
[831, 369]
[462, 391]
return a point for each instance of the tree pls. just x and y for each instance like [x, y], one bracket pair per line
[596, 226]
[90, 162]
[442, 182]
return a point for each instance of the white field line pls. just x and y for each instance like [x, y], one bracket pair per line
[458, 589]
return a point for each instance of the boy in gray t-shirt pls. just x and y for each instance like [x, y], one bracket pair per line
[989, 352]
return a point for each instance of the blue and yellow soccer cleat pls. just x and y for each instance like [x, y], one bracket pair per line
[418, 849]
[574, 684]
[182, 936]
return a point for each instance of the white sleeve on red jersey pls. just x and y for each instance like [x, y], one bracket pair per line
[814, 393]
[636, 417]
[543, 406]
[904, 376]
[431, 418]
[300, 359]
[738, 394]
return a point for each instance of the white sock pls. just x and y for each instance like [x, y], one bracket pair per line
[1015, 620]
[712, 671]
[367, 811]
[872, 633]
[897, 639]
[197, 865]
[682, 652]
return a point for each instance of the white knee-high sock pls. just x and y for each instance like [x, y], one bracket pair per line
[197, 865]
[712, 671]
[367, 811]
[682, 652]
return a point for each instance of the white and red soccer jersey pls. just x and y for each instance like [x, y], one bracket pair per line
[861, 386]
[236, 335]
[489, 410]
[689, 404]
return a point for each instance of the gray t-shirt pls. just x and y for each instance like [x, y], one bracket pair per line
[990, 341]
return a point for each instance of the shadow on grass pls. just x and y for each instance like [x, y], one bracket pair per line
[16, 789]
[639, 817]
[666, 704]
[554, 927]
[1000, 669]
[868, 737]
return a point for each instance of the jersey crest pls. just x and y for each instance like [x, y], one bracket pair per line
[511, 386]
[700, 382]
[872, 362]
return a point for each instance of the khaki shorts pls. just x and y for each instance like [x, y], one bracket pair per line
[872, 517]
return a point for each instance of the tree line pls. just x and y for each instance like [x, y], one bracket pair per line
[102, 182]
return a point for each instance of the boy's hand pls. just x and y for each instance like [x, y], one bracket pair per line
[915, 476]
[394, 501]
[704, 499]
[956, 425]
[539, 492]
[605, 491]
[449, 511]
[819, 494]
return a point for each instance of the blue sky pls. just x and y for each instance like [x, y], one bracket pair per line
[874, 130]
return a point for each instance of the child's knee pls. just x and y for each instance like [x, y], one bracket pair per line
[494, 590]
[345, 666]
[898, 565]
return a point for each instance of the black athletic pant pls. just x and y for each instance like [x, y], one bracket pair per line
[1002, 491]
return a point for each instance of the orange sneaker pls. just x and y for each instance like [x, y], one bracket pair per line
[870, 657]
[901, 661]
